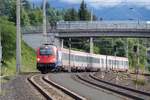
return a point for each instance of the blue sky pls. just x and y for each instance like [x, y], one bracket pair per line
[97, 4]
[108, 9]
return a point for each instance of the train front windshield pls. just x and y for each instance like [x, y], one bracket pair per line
[46, 51]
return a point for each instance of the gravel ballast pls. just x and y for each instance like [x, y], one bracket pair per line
[19, 88]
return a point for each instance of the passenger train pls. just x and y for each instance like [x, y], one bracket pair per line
[51, 58]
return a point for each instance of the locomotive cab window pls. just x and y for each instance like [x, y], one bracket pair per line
[46, 51]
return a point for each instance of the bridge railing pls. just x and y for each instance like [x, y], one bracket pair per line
[102, 25]
[91, 25]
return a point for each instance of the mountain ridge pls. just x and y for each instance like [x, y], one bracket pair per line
[118, 12]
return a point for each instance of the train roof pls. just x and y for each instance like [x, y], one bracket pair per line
[85, 54]
[48, 46]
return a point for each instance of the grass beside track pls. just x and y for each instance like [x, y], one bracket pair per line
[28, 62]
[8, 35]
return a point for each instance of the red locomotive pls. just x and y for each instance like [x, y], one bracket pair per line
[47, 58]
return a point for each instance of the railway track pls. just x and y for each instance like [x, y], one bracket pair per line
[122, 90]
[51, 90]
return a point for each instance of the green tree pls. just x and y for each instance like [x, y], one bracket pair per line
[4, 7]
[47, 5]
[132, 56]
[83, 13]
[36, 17]
[71, 15]
[26, 4]
[8, 8]
[24, 18]
[120, 48]
[53, 16]
[94, 17]
[104, 45]
[8, 38]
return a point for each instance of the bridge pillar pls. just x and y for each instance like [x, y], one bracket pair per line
[62, 43]
[91, 44]
[57, 42]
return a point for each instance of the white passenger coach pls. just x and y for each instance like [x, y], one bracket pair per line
[77, 60]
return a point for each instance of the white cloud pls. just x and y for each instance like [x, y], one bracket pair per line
[111, 3]
[72, 1]
[103, 3]
[141, 3]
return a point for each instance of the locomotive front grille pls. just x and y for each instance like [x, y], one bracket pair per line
[46, 64]
[43, 66]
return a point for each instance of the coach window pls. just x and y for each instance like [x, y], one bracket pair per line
[109, 61]
[97, 60]
[71, 57]
[84, 59]
[118, 63]
[126, 63]
[81, 59]
[64, 56]
[122, 63]
[102, 61]
[114, 62]
[76, 58]
[93, 60]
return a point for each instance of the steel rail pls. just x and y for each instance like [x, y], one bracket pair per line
[39, 88]
[122, 91]
[65, 90]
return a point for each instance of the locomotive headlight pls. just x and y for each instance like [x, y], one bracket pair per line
[38, 59]
[53, 60]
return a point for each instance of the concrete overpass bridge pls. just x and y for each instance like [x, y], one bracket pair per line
[95, 29]
[91, 29]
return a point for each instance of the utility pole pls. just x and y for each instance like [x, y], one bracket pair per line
[92, 15]
[62, 43]
[18, 38]
[138, 53]
[115, 50]
[139, 15]
[0, 48]
[146, 56]
[44, 21]
[116, 65]
[69, 55]
[0, 64]
[127, 49]
[91, 45]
